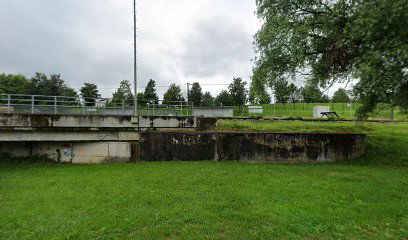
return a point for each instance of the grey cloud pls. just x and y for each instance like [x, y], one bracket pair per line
[74, 38]
[91, 41]
[214, 47]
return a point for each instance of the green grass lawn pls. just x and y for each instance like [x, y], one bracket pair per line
[367, 199]
[305, 110]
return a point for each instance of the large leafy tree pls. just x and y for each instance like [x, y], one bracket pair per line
[224, 99]
[336, 40]
[54, 85]
[196, 94]
[173, 94]
[150, 93]
[238, 92]
[124, 93]
[208, 100]
[14, 84]
[90, 93]
[341, 96]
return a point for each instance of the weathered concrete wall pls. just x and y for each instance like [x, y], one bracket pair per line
[67, 135]
[25, 121]
[253, 147]
[55, 121]
[76, 152]
[213, 112]
[153, 123]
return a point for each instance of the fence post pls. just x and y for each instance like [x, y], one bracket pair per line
[83, 107]
[55, 105]
[8, 104]
[32, 104]
[274, 109]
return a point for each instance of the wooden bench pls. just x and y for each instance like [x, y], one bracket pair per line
[330, 114]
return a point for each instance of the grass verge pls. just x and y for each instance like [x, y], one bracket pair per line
[203, 201]
[216, 200]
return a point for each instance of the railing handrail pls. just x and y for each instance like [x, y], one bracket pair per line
[60, 104]
[50, 98]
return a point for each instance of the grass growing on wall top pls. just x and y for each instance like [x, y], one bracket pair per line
[305, 110]
[387, 143]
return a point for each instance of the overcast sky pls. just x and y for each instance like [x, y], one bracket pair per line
[205, 41]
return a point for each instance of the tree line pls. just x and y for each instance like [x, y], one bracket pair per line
[290, 93]
[54, 85]
[235, 95]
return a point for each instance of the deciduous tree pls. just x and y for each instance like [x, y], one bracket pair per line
[14, 84]
[238, 92]
[311, 94]
[334, 41]
[124, 93]
[196, 94]
[54, 85]
[282, 91]
[208, 100]
[89, 93]
[173, 94]
[341, 96]
[150, 93]
[224, 99]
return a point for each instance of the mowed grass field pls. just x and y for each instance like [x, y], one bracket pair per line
[305, 110]
[366, 199]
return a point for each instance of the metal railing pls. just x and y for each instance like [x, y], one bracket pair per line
[62, 105]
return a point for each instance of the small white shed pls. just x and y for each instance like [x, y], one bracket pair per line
[317, 111]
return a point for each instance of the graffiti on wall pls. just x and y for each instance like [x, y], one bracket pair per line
[67, 150]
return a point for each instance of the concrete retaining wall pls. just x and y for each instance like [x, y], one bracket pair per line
[200, 146]
[253, 147]
[75, 152]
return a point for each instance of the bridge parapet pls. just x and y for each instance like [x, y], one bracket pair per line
[29, 121]
[28, 127]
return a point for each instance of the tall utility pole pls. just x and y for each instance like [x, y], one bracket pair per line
[135, 55]
[188, 92]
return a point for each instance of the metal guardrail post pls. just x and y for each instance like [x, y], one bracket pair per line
[55, 105]
[83, 108]
[154, 108]
[32, 104]
[8, 104]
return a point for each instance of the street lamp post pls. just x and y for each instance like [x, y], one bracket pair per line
[135, 56]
